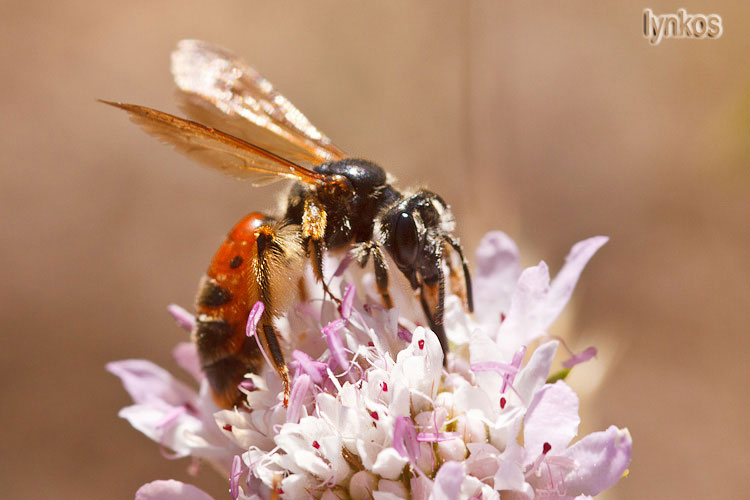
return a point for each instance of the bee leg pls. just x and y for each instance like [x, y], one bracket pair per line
[363, 253]
[314, 219]
[463, 290]
[302, 290]
[432, 298]
[315, 251]
[266, 331]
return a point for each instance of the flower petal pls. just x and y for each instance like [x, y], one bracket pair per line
[170, 490]
[448, 481]
[536, 371]
[601, 458]
[497, 271]
[536, 303]
[562, 286]
[182, 317]
[147, 382]
[523, 323]
[389, 463]
[186, 356]
[552, 417]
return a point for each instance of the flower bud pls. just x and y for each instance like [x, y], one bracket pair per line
[361, 485]
[452, 449]
[395, 487]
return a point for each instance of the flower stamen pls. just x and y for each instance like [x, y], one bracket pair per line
[330, 331]
[405, 440]
[234, 477]
[300, 387]
[182, 317]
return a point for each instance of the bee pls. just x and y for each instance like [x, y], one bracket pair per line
[245, 128]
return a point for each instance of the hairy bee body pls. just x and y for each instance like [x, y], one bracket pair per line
[246, 129]
[227, 293]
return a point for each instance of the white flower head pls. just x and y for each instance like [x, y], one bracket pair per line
[374, 413]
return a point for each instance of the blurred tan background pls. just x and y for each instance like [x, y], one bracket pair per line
[553, 121]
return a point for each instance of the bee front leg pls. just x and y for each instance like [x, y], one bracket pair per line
[432, 298]
[362, 255]
[314, 220]
[464, 292]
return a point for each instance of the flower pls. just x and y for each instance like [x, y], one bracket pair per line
[373, 413]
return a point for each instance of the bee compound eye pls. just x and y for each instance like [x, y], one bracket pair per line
[406, 239]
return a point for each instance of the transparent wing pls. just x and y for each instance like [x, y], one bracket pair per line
[216, 149]
[219, 89]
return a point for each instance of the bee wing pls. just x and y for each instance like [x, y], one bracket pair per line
[216, 149]
[219, 89]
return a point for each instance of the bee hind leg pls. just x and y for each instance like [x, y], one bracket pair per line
[279, 262]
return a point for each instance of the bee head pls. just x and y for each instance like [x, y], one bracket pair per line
[417, 233]
[414, 231]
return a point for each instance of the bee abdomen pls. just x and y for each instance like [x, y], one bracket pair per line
[211, 294]
[215, 338]
[224, 376]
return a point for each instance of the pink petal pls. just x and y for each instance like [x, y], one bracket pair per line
[186, 356]
[437, 437]
[509, 378]
[404, 334]
[509, 476]
[448, 481]
[602, 458]
[497, 270]
[552, 417]
[334, 342]
[315, 369]
[234, 477]
[183, 318]
[300, 388]
[170, 490]
[536, 303]
[536, 371]
[523, 318]
[345, 262]
[405, 439]
[562, 286]
[147, 383]
[494, 366]
[348, 301]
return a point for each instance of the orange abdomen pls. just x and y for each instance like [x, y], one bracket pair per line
[227, 293]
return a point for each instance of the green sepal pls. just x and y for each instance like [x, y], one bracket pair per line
[558, 376]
